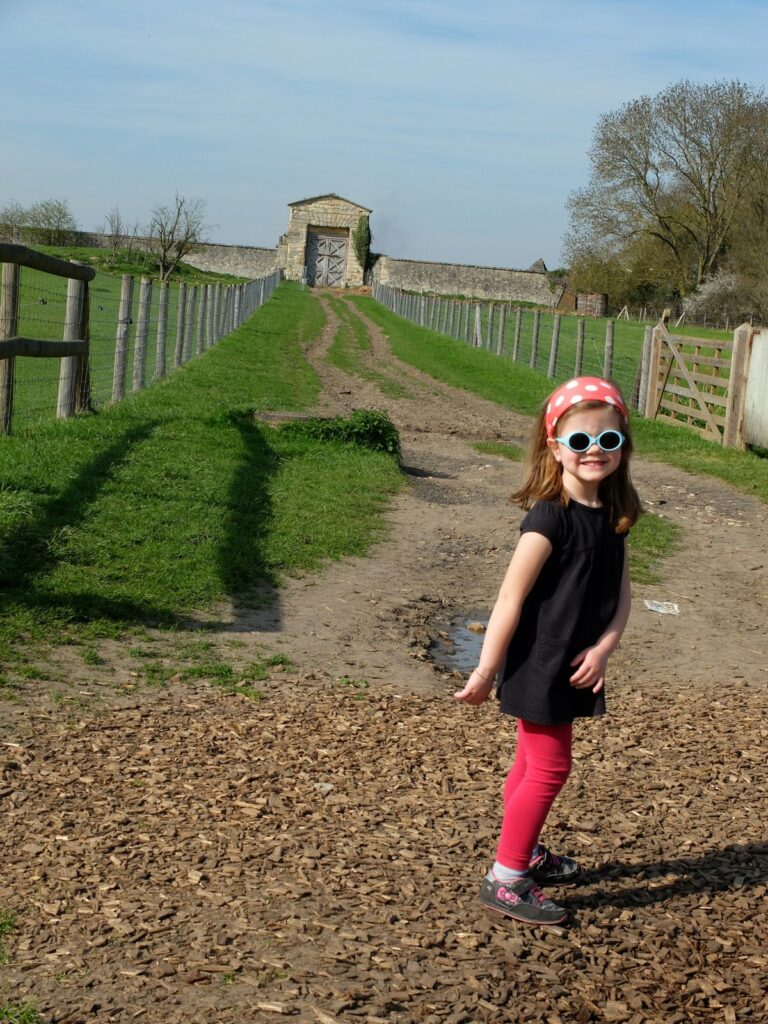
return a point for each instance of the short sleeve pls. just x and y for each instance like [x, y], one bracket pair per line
[548, 519]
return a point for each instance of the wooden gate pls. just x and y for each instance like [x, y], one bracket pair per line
[699, 382]
[326, 259]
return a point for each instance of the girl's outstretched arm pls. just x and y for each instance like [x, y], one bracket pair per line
[592, 661]
[532, 551]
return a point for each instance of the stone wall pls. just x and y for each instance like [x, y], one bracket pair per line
[464, 279]
[241, 260]
[247, 261]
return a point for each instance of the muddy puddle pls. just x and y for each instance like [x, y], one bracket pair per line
[459, 641]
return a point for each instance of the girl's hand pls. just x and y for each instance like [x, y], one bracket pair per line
[591, 671]
[477, 689]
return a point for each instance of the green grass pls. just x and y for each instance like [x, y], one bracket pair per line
[747, 471]
[517, 387]
[179, 496]
[651, 541]
[19, 1013]
[508, 451]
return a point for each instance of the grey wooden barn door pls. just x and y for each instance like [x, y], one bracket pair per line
[326, 259]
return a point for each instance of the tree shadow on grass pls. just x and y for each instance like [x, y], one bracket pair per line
[30, 551]
[731, 868]
[248, 578]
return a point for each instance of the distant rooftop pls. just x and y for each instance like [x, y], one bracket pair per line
[328, 195]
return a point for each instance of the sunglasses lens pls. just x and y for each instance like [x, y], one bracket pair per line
[579, 441]
[610, 440]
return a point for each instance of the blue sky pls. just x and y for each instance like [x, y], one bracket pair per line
[464, 126]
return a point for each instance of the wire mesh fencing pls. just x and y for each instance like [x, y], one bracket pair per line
[559, 346]
[135, 332]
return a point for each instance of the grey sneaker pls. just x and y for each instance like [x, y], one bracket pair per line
[549, 869]
[522, 899]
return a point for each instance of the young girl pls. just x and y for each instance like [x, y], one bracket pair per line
[559, 616]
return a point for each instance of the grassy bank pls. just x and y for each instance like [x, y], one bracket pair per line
[179, 496]
[515, 386]
[134, 262]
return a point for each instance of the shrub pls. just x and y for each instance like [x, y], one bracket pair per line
[368, 428]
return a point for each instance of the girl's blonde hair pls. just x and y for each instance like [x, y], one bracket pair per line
[543, 479]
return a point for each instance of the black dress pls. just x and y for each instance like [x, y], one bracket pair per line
[569, 607]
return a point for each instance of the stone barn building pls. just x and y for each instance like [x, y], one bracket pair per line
[319, 238]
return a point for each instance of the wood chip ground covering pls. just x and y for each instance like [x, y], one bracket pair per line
[317, 854]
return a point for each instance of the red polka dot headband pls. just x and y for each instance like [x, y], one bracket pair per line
[581, 389]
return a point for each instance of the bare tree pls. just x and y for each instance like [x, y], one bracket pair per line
[174, 231]
[114, 228]
[51, 221]
[677, 168]
[13, 218]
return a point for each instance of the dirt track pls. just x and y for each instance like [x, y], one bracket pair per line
[196, 857]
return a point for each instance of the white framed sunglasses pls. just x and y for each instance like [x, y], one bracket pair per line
[580, 441]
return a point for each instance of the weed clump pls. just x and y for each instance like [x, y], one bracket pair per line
[367, 428]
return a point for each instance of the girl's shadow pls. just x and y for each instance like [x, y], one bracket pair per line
[737, 866]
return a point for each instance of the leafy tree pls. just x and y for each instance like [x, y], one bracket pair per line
[51, 222]
[175, 231]
[677, 168]
[361, 241]
[13, 218]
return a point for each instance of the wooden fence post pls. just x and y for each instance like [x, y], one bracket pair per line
[162, 328]
[9, 326]
[645, 362]
[608, 355]
[83, 375]
[121, 339]
[225, 311]
[535, 337]
[142, 333]
[201, 312]
[178, 351]
[468, 322]
[502, 325]
[209, 293]
[518, 328]
[733, 432]
[579, 348]
[477, 335]
[216, 312]
[489, 329]
[555, 345]
[189, 324]
[651, 398]
[67, 402]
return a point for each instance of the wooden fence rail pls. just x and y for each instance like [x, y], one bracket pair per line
[699, 383]
[206, 313]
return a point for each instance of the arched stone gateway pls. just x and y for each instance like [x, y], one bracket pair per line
[318, 242]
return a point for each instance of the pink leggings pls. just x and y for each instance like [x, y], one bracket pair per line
[540, 770]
